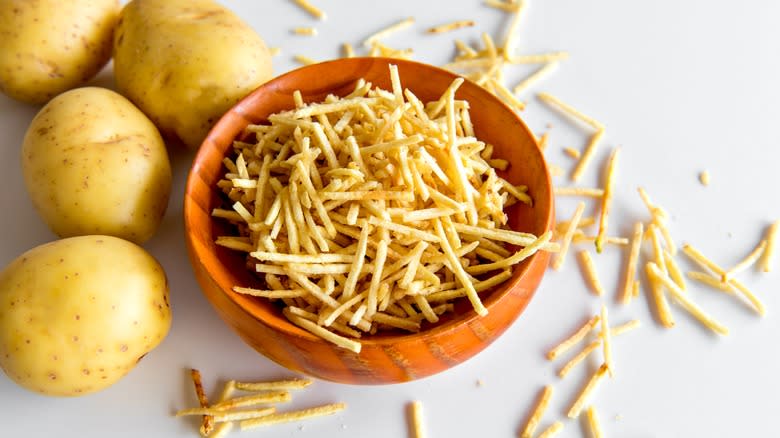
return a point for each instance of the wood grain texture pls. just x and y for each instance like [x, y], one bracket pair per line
[388, 357]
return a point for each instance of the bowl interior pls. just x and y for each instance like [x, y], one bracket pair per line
[494, 123]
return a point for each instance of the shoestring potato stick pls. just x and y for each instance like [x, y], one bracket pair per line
[771, 239]
[589, 272]
[538, 412]
[606, 200]
[696, 255]
[449, 27]
[576, 337]
[631, 265]
[567, 236]
[311, 9]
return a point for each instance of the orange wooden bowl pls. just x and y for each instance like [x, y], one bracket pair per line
[386, 357]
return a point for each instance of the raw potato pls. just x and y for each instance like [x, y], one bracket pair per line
[186, 62]
[50, 46]
[77, 314]
[94, 164]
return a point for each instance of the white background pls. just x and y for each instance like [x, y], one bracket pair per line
[681, 87]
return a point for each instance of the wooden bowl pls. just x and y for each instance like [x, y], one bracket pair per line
[388, 357]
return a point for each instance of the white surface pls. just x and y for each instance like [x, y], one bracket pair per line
[681, 86]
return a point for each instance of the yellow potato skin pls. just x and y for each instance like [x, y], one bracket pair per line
[94, 164]
[50, 46]
[186, 62]
[77, 314]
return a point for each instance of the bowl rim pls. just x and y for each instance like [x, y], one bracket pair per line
[280, 323]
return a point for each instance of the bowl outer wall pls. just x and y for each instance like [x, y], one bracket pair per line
[384, 358]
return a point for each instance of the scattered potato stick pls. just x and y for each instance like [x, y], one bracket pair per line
[243, 415]
[576, 337]
[593, 423]
[286, 417]
[579, 357]
[606, 340]
[705, 262]
[253, 400]
[275, 51]
[661, 304]
[606, 200]
[661, 224]
[587, 156]
[304, 60]
[207, 424]
[711, 281]
[580, 237]
[223, 415]
[535, 77]
[585, 352]
[749, 295]
[623, 328]
[507, 95]
[503, 5]
[570, 111]
[307, 31]
[510, 41]
[416, 419]
[572, 152]
[769, 252]
[585, 221]
[274, 385]
[696, 255]
[652, 208]
[659, 216]
[537, 412]
[465, 49]
[449, 27]
[383, 33]
[704, 178]
[227, 391]
[589, 272]
[747, 262]
[552, 430]
[311, 9]
[658, 251]
[673, 269]
[685, 302]
[578, 191]
[631, 266]
[586, 392]
[566, 240]
[222, 429]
